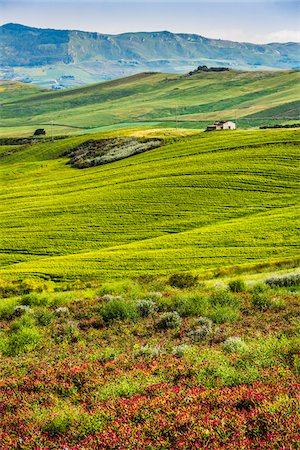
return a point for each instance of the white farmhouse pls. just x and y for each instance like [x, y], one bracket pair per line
[222, 125]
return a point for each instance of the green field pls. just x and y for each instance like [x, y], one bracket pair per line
[207, 202]
[250, 98]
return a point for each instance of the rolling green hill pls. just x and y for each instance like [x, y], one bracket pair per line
[204, 202]
[251, 98]
[68, 57]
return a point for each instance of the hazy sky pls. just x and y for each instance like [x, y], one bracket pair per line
[243, 20]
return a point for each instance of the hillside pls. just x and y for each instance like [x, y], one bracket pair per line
[251, 98]
[203, 202]
[68, 58]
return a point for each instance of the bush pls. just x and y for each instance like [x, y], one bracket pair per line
[146, 307]
[237, 285]
[234, 344]
[199, 334]
[36, 285]
[7, 288]
[35, 299]
[261, 301]
[169, 320]
[288, 280]
[25, 320]
[118, 309]
[224, 298]
[148, 350]
[165, 304]
[223, 314]
[43, 317]
[21, 340]
[205, 322]
[203, 331]
[7, 307]
[180, 350]
[190, 305]
[65, 331]
[58, 424]
[258, 288]
[62, 311]
[128, 288]
[20, 310]
[183, 280]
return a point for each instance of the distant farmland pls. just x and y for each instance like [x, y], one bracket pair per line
[154, 99]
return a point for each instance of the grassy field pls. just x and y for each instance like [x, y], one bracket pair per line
[250, 98]
[206, 202]
[137, 309]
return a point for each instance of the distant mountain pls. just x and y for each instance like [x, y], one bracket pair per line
[75, 57]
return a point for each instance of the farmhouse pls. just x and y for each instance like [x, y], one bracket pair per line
[222, 125]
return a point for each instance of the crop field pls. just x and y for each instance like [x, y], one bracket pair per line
[250, 98]
[147, 365]
[206, 202]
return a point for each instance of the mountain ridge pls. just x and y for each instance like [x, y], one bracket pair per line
[74, 57]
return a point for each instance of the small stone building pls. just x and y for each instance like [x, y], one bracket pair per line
[222, 125]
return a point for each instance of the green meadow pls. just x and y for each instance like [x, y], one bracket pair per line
[189, 101]
[211, 203]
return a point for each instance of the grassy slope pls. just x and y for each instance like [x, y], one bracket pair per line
[162, 97]
[11, 91]
[202, 202]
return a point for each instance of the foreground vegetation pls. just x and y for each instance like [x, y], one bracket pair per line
[144, 364]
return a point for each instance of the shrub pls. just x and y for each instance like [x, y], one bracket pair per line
[261, 301]
[202, 331]
[36, 285]
[223, 314]
[205, 322]
[21, 340]
[183, 280]
[128, 288]
[7, 288]
[169, 320]
[146, 307]
[7, 307]
[35, 299]
[258, 288]
[165, 304]
[180, 350]
[148, 350]
[25, 320]
[199, 334]
[43, 317]
[292, 279]
[65, 331]
[190, 304]
[224, 298]
[237, 285]
[234, 344]
[118, 308]
[58, 423]
[62, 311]
[20, 310]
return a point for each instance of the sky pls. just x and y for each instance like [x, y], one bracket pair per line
[258, 21]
